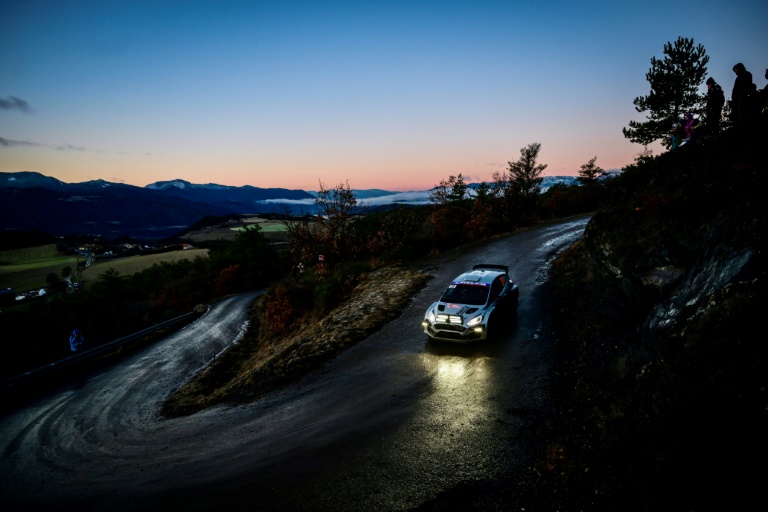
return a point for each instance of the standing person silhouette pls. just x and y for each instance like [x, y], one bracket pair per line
[714, 108]
[762, 96]
[740, 96]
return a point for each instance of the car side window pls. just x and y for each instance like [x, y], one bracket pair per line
[496, 287]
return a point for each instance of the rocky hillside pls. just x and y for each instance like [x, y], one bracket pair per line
[662, 363]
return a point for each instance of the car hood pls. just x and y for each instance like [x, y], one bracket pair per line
[453, 308]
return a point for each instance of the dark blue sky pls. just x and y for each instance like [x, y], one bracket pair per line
[393, 95]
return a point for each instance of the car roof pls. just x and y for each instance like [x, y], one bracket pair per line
[478, 276]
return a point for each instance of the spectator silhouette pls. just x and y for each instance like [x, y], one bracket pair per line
[763, 99]
[678, 134]
[689, 123]
[688, 127]
[76, 341]
[674, 141]
[698, 130]
[743, 88]
[714, 108]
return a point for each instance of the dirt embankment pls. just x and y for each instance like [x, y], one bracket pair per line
[252, 367]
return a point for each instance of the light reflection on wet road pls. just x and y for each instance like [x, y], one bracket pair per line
[393, 423]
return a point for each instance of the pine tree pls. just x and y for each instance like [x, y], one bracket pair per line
[674, 81]
[519, 187]
[525, 174]
[452, 190]
[337, 207]
[590, 172]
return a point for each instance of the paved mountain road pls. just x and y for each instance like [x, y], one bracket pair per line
[393, 423]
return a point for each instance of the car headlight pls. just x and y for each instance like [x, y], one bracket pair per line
[475, 321]
[431, 317]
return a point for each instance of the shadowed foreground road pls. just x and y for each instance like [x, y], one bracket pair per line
[393, 423]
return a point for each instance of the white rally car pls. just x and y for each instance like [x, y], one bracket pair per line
[472, 302]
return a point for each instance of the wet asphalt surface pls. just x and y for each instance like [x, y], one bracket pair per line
[394, 423]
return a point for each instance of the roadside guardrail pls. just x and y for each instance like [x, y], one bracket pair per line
[89, 354]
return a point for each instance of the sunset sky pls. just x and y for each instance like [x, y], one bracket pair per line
[395, 95]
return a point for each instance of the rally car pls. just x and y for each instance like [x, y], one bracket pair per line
[472, 303]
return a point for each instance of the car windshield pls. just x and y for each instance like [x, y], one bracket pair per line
[472, 294]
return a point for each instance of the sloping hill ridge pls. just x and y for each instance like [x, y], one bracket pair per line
[243, 199]
[110, 211]
[30, 200]
[33, 201]
[662, 364]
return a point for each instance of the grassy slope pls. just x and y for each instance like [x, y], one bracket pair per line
[27, 268]
[133, 264]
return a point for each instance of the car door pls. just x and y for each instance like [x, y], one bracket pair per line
[496, 300]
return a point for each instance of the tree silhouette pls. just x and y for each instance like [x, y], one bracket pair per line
[674, 81]
[452, 190]
[338, 207]
[589, 172]
[525, 174]
[449, 213]
[517, 189]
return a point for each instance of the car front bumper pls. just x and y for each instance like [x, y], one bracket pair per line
[454, 333]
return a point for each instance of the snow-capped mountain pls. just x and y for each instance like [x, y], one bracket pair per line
[30, 200]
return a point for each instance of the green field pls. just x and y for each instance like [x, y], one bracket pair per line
[266, 227]
[273, 230]
[134, 264]
[27, 269]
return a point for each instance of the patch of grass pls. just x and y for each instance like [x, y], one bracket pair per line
[228, 229]
[28, 254]
[269, 226]
[27, 268]
[134, 264]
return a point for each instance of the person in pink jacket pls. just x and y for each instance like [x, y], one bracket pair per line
[688, 126]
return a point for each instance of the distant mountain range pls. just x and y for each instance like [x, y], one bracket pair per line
[30, 200]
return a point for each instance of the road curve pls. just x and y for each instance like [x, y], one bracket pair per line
[393, 423]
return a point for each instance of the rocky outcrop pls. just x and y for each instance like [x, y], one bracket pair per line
[661, 370]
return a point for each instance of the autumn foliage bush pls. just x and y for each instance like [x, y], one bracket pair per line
[278, 311]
